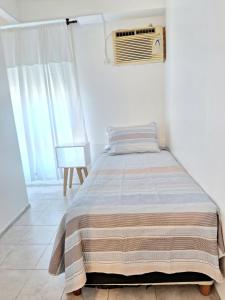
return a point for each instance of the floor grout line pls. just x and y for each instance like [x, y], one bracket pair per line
[20, 291]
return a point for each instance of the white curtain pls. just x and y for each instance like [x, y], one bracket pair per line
[45, 95]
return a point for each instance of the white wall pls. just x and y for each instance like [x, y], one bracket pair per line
[13, 198]
[117, 95]
[196, 92]
[31, 10]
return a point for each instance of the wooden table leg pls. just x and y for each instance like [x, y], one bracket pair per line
[205, 289]
[79, 173]
[85, 172]
[66, 171]
[71, 177]
[77, 293]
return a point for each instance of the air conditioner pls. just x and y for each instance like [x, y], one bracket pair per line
[142, 45]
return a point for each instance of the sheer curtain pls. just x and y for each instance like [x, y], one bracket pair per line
[45, 95]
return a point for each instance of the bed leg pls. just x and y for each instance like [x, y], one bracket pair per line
[205, 290]
[77, 293]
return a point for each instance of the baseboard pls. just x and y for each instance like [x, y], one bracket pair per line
[10, 224]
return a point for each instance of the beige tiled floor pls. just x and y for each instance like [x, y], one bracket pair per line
[26, 248]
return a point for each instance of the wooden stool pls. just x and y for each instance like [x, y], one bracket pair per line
[79, 173]
[70, 157]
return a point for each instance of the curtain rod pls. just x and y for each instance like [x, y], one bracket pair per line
[68, 22]
[30, 24]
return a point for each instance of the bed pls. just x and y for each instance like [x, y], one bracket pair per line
[139, 219]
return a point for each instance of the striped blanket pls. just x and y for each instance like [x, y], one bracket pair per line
[135, 214]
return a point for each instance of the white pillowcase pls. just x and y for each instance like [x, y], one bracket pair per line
[133, 139]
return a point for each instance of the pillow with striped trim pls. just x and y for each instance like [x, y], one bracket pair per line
[134, 139]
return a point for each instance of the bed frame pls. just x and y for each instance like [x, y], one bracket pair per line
[103, 280]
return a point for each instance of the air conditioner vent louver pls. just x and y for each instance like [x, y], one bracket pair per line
[139, 45]
[146, 30]
[125, 33]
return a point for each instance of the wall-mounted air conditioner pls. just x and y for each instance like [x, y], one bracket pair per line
[142, 45]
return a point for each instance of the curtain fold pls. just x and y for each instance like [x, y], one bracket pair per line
[45, 95]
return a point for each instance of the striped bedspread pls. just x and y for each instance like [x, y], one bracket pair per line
[138, 213]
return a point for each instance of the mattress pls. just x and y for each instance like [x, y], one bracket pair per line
[136, 214]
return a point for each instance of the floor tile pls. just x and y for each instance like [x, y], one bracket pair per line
[45, 258]
[12, 236]
[44, 194]
[89, 294]
[133, 293]
[38, 235]
[42, 286]
[12, 282]
[30, 218]
[23, 257]
[37, 205]
[58, 205]
[4, 251]
[53, 218]
[182, 292]
[29, 234]
[40, 218]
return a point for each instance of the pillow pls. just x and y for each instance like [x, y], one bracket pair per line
[134, 139]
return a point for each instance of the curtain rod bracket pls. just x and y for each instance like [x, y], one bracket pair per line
[68, 22]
